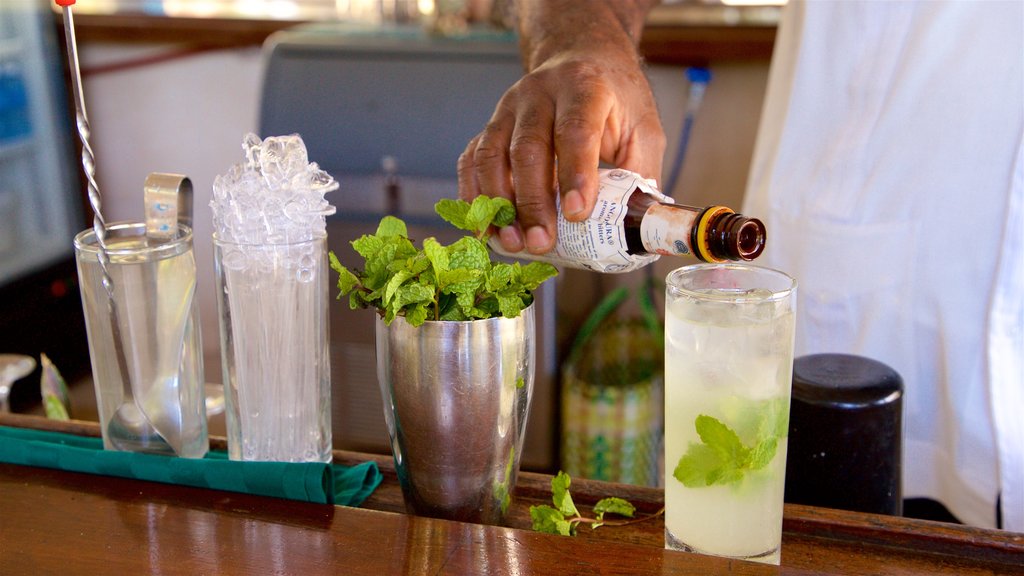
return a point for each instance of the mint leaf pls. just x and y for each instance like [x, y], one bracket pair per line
[534, 273]
[722, 439]
[437, 254]
[413, 294]
[356, 300]
[550, 521]
[417, 315]
[510, 305]
[484, 210]
[477, 216]
[347, 281]
[394, 284]
[453, 212]
[564, 517]
[499, 276]
[332, 259]
[459, 280]
[775, 418]
[456, 283]
[453, 313]
[392, 226]
[722, 458]
[418, 264]
[560, 494]
[613, 505]
[486, 308]
[403, 247]
[763, 453]
[466, 302]
[505, 215]
[699, 466]
[367, 246]
[468, 252]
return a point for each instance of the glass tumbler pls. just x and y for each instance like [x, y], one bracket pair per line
[162, 408]
[272, 300]
[728, 367]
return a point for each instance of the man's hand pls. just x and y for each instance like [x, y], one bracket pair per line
[584, 100]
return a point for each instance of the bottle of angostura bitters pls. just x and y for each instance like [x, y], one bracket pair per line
[633, 224]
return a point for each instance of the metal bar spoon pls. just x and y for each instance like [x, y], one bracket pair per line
[129, 429]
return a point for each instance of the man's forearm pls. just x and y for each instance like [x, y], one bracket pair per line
[549, 27]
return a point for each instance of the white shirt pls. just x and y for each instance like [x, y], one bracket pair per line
[889, 171]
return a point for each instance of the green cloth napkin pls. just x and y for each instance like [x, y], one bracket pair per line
[307, 481]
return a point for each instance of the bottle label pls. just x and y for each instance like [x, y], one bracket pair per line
[599, 242]
[663, 230]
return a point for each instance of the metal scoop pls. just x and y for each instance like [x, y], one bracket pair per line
[155, 403]
[168, 203]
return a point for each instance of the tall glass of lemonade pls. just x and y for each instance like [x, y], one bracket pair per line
[728, 370]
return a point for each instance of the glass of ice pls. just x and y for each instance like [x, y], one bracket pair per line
[274, 348]
[728, 368]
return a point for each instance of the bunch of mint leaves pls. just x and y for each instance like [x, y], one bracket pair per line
[721, 457]
[458, 282]
[564, 516]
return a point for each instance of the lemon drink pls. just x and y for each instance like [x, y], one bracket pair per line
[728, 368]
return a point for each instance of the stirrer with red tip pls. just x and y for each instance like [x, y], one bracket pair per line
[129, 426]
[82, 121]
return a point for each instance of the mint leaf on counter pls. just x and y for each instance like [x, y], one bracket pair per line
[564, 517]
[550, 521]
[560, 494]
[612, 505]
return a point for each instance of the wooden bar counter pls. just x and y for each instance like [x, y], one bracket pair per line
[59, 522]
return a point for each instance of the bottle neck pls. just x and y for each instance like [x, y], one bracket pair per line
[712, 234]
[730, 236]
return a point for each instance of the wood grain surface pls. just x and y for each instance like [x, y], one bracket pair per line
[58, 522]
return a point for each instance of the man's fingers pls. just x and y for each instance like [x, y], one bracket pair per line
[580, 111]
[532, 159]
[484, 168]
[491, 169]
[581, 121]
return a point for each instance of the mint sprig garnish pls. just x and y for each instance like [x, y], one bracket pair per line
[722, 458]
[564, 517]
[436, 282]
